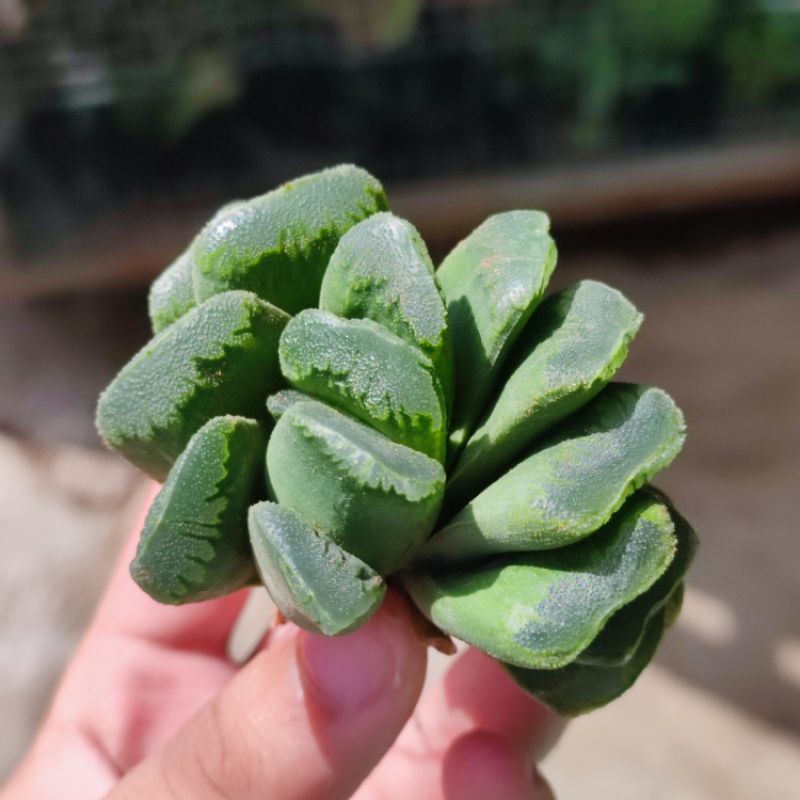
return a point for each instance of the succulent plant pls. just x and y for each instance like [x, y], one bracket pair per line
[329, 413]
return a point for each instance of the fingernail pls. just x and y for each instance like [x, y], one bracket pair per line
[347, 673]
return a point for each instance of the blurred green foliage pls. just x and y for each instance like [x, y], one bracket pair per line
[761, 55]
[603, 58]
[222, 97]
[596, 66]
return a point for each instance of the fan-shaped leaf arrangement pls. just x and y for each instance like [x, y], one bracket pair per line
[327, 412]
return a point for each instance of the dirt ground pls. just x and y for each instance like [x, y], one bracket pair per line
[718, 717]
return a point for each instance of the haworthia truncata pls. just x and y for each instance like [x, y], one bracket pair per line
[381, 271]
[620, 638]
[278, 245]
[172, 292]
[194, 544]
[219, 358]
[491, 281]
[540, 610]
[578, 687]
[314, 582]
[574, 483]
[375, 498]
[571, 348]
[369, 372]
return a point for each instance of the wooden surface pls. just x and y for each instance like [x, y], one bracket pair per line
[129, 249]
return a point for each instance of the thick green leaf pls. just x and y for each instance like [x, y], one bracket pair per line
[574, 483]
[578, 688]
[313, 582]
[674, 604]
[369, 372]
[278, 245]
[491, 281]
[376, 499]
[194, 544]
[381, 271]
[620, 638]
[540, 610]
[219, 358]
[172, 292]
[280, 401]
[570, 349]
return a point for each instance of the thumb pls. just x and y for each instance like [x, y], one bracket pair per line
[309, 717]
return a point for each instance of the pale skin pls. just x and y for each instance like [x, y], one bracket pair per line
[151, 707]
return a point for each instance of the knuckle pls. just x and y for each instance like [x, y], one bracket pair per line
[219, 759]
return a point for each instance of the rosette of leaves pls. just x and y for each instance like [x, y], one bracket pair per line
[328, 413]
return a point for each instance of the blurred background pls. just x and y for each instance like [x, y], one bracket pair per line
[663, 136]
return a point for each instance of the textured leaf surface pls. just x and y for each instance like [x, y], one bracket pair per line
[491, 281]
[313, 582]
[674, 604]
[376, 499]
[278, 403]
[381, 271]
[540, 610]
[369, 372]
[570, 349]
[278, 245]
[219, 358]
[578, 688]
[620, 638]
[171, 293]
[574, 483]
[194, 544]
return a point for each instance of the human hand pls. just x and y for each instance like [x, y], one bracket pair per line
[151, 706]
